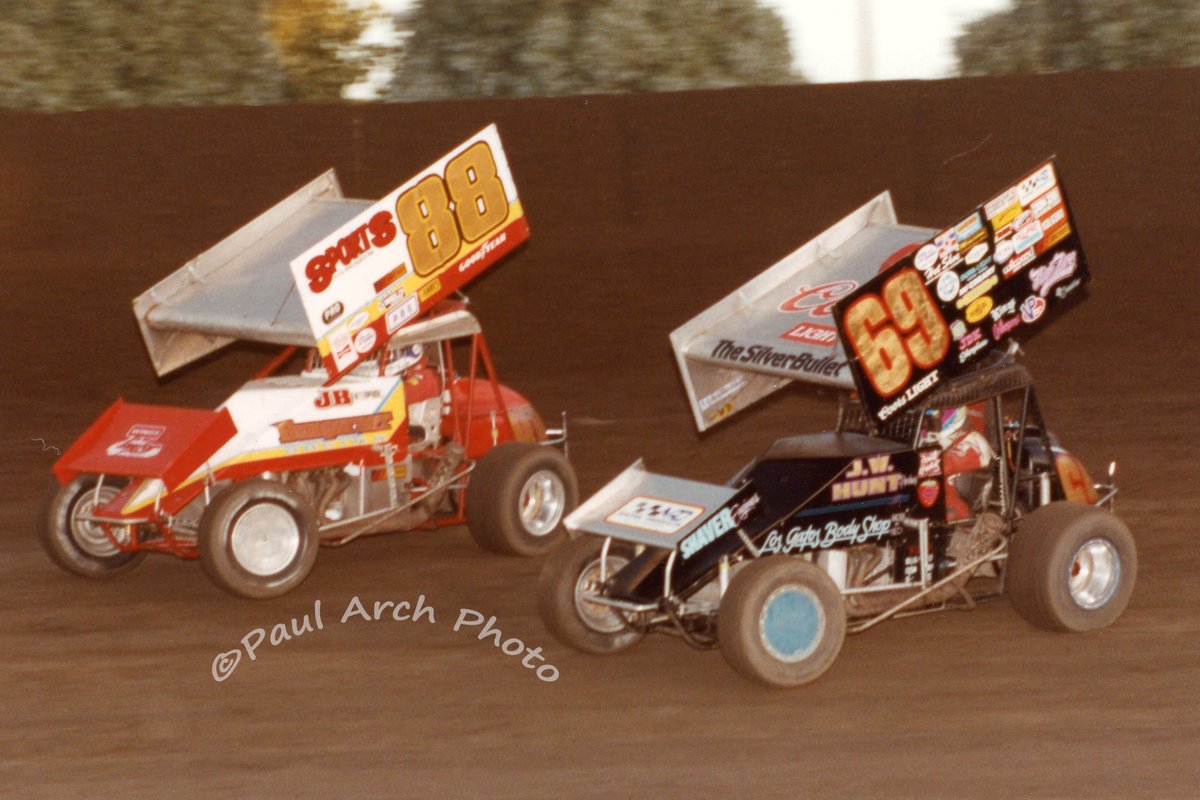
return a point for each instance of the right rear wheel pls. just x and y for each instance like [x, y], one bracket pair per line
[1071, 567]
[517, 498]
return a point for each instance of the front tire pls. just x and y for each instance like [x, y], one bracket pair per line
[258, 539]
[517, 498]
[782, 622]
[1071, 567]
[77, 545]
[571, 572]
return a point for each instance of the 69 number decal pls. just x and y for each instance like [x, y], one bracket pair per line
[894, 333]
[434, 232]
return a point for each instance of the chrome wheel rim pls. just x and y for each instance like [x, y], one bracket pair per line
[90, 536]
[598, 616]
[1095, 573]
[542, 501]
[791, 623]
[265, 539]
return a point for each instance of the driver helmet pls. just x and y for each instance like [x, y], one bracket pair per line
[401, 359]
[951, 423]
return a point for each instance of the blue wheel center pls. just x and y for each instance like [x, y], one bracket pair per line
[792, 623]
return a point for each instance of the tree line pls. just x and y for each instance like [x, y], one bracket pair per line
[67, 54]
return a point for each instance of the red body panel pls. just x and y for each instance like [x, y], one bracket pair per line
[143, 441]
[489, 424]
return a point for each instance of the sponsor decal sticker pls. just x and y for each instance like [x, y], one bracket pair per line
[765, 356]
[977, 288]
[926, 260]
[970, 340]
[1000, 205]
[1027, 232]
[291, 431]
[1047, 202]
[1055, 236]
[396, 317]
[430, 289]
[914, 390]
[866, 477]
[979, 309]
[958, 329]
[1035, 185]
[927, 493]
[357, 321]
[141, 441]
[812, 333]
[930, 464]
[1062, 266]
[1019, 263]
[722, 393]
[721, 523]
[972, 350]
[485, 248]
[947, 286]
[1004, 327]
[1032, 308]
[816, 536]
[968, 227]
[1052, 220]
[707, 533]
[817, 301]
[376, 232]
[364, 340]
[333, 397]
[392, 298]
[332, 313]
[342, 348]
[976, 253]
[654, 515]
[1004, 310]
[1063, 291]
[1004, 250]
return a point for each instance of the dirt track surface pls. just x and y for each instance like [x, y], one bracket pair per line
[643, 211]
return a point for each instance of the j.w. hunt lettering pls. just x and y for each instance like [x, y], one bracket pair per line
[867, 477]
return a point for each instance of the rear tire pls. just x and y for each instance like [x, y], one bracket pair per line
[517, 498]
[571, 571]
[258, 539]
[76, 545]
[782, 622]
[1071, 567]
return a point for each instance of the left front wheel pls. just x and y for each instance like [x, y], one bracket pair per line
[258, 539]
[78, 544]
[781, 622]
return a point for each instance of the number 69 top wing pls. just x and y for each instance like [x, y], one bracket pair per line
[400, 256]
[998, 274]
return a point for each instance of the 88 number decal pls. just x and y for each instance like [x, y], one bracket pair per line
[894, 333]
[434, 231]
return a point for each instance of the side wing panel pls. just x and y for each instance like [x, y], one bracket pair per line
[778, 327]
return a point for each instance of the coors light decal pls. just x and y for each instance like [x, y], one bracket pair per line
[998, 273]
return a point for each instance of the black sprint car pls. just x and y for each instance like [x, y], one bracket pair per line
[940, 484]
